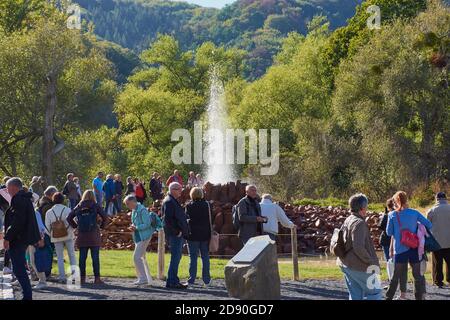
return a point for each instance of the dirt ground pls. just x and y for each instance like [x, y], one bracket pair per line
[124, 289]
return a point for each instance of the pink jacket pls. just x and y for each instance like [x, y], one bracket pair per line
[421, 233]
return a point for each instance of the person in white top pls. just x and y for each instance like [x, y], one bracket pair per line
[200, 182]
[61, 212]
[274, 214]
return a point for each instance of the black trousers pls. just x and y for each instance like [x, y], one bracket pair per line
[401, 271]
[438, 265]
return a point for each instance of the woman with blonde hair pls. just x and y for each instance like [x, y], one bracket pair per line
[89, 237]
[403, 226]
[198, 213]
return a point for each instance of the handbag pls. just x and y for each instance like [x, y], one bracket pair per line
[408, 238]
[215, 237]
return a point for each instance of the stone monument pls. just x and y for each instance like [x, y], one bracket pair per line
[252, 274]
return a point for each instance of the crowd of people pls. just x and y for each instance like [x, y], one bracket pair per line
[40, 222]
[407, 236]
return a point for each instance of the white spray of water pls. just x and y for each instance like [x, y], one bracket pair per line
[217, 149]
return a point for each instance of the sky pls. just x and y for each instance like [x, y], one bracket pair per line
[211, 3]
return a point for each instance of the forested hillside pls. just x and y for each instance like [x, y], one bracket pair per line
[252, 25]
[357, 109]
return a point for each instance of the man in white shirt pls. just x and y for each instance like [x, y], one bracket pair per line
[274, 214]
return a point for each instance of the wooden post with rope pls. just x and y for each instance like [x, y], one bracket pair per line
[296, 276]
[161, 253]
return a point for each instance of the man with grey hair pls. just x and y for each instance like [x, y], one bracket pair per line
[360, 256]
[21, 231]
[274, 215]
[175, 228]
[249, 215]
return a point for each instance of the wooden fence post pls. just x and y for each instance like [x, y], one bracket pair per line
[296, 276]
[161, 253]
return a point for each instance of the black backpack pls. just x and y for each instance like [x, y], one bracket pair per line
[87, 219]
[236, 221]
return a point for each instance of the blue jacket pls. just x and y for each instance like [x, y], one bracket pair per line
[142, 220]
[109, 189]
[409, 219]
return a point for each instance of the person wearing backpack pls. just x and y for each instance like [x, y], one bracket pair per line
[61, 233]
[21, 231]
[89, 238]
[356, 254]
[247, 216]
[402, 226]
[144, 224]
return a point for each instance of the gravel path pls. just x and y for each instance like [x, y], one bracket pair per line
[123, 289]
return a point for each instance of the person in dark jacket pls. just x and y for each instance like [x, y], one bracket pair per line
[118, 187]
[175, 228]
[70, 190]
[385, 240]
[110, 194]
[21, 230]
[131, 188]
[199, 220]
[156, 187]
[249, 212]
[90, 240]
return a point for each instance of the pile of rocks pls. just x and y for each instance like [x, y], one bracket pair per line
[315, 224]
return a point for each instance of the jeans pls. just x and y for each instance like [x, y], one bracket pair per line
[95, 255]
[118, 203]
[73, 203]
[17, 255]
[194, 247]
[108, 203]
[99, 198]
[176, 250]
[140, 261]
[358, 285]
[59, 246]
[401, 274]
[386, 252]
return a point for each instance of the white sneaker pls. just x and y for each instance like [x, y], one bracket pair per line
[207, 285]
[40, 285]
[400, 298]
[139, 282]
[7, 270]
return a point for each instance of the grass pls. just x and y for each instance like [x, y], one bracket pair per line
[120, 264]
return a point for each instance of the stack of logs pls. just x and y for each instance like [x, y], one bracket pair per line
[315, 224]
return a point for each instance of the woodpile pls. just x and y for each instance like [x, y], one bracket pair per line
[315, 224]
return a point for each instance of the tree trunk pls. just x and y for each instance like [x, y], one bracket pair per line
[47, 146]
